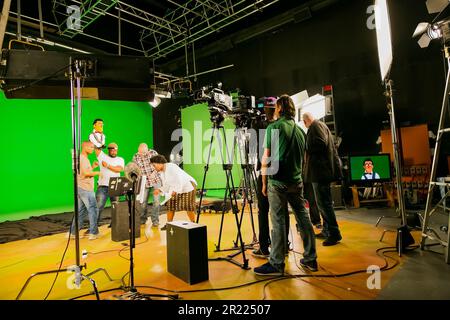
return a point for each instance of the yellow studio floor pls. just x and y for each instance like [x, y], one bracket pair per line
[20, 259]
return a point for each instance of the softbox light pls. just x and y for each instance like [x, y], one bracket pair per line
[384, 41]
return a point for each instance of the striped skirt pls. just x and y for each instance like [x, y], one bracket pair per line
[182, 201]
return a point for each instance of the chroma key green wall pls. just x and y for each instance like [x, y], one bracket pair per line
[36, 142]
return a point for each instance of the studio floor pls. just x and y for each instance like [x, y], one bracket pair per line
[415, 275]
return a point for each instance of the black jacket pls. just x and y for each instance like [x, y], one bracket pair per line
[322, 163]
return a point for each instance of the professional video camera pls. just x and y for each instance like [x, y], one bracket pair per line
[219, 103]
[246, 111]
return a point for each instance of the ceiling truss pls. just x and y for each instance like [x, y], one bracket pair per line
[182, 25]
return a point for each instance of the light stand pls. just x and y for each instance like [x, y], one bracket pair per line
[75, 75]
[384, 44]
[397, 164]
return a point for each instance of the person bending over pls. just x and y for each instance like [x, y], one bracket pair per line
[178, 185]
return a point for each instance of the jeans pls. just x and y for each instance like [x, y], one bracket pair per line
[324, 201]
[86, 205]
[263, 218]
[279, 197]
[314, 213]
[154, 214]
[102, 195]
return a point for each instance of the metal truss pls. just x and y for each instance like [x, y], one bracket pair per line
[198, 19]
[187, 21]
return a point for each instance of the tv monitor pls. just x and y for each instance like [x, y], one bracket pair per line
[370, 168]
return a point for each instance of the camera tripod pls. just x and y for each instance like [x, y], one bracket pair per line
[76, 74]
[230, 193]
[241, 139]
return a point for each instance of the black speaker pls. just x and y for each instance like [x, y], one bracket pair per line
[336, 196]
[187, 251]
[120, 222]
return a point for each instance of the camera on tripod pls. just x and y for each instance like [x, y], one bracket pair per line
[245, 112]
[219, 103]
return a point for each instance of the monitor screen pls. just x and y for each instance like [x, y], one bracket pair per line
[370, 168]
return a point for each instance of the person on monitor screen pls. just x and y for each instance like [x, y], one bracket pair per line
[178, 185]
[110, 166]
[97, 137]
[369, 174]
[322, 166]
[85, 189]
[153, 182]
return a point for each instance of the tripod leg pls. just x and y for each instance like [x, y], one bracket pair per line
[93, 285]
[251, 184]
[100, 270]
[204, 175]
[233, 197]
[222, 218]
[227, 189]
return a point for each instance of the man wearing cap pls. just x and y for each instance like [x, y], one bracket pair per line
[110, 166]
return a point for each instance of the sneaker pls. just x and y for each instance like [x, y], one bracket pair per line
[331, 241]
[94, 236]
[311, 265]
[320, 236]
[164, 228]
[260, 253]
[267, 270]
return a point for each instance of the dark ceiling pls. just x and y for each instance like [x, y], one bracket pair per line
[194, 18]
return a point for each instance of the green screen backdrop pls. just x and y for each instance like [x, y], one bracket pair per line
[36, 144]
[196, 123]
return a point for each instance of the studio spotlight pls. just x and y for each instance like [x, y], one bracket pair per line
[156, 101]
[428, 32]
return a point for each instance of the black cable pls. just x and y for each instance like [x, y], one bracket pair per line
[61, 262]
[272, 279]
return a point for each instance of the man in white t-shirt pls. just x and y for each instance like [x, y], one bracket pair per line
[110, 166]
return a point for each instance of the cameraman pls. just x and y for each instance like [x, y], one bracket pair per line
[263, 201]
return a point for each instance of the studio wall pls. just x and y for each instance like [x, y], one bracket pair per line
[337, 46]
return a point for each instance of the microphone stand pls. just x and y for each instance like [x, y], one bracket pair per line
[131, 292]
